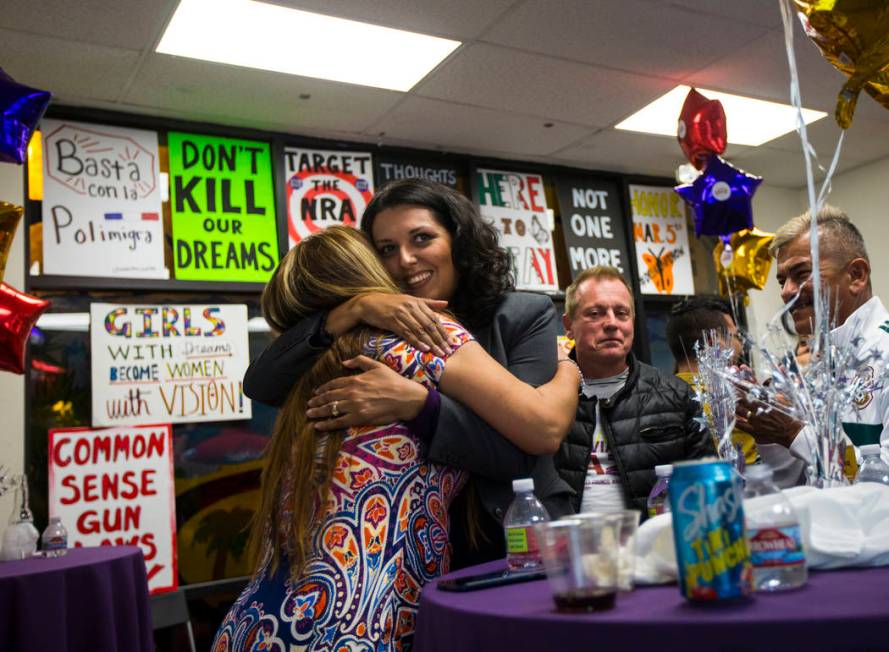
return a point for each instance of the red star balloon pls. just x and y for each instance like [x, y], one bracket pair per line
[18, 314]
[701, 130]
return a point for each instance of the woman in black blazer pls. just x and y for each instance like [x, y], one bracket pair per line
[435, 245]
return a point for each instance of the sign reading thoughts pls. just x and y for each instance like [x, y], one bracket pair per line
[101, 202]
[515, 204]
[325, 188]
[393, 169]
[592, 223]
[115, 487]
[171, 363]
[660, 231]
[223, 209]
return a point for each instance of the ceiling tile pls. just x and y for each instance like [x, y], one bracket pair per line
[784, 169]
[765, 13]
[66, 68]
[866, 140]
[129, 24]
[434, 123]
[256, 97]
[650, 38]
[509, 80]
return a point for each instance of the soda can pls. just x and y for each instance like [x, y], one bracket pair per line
[707, 502]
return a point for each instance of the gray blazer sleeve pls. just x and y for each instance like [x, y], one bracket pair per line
[523, 338]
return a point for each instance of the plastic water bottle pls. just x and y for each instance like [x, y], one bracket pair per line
[773, 534]
[873, 468]
[522, 551]
[658, 501]
[55, 538]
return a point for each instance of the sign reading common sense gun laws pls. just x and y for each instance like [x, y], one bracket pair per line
[170, 363]
[325, 188]
[660, 231]
[223, 209]
[592, 223]
[101, 202]
[515, 204]
[115, 487]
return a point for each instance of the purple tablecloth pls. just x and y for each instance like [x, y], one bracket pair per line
[90, 600]
[836, 610]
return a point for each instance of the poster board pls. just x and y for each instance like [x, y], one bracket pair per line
[593, 224]
[660, 233]
[325, 188]
[102, 210]
[114, 486]
[514, 203]
[172, 363]
[222, 204]
[392, 168]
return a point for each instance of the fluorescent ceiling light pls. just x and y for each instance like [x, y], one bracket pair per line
[270, 37]
[749, 121]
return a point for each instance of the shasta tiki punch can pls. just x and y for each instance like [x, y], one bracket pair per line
[707, 503]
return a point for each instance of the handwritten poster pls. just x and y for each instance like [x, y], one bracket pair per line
[593, 224]
[115, 487]
[396, 168]
[515, 204]
[170, 363]
[660, 231]
[101, 202]
[223, 208]
[325, 188]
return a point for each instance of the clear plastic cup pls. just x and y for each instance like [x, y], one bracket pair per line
[581, 562]
[626, 523]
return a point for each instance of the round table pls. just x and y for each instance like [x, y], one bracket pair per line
[836, 610]
[92, 599]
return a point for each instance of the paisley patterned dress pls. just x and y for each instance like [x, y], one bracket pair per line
[384, 535]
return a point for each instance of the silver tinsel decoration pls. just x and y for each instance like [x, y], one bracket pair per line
[716, 392]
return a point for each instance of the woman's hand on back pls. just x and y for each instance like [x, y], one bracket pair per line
[377, 396]
[412, 318]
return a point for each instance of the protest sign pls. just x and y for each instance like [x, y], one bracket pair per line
[395, 168]
[592, 223]
[101, 202]
[223, 208]
[171, 363]
[660, 231]
[115, 487]
[515, 204]
[325, 188]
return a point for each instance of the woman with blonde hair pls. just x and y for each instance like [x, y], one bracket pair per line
[353, 522]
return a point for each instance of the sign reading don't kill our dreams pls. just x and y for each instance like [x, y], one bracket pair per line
[101, 201]
[593, 224]
[168, 363]
[515, 204]
[325, 188]
[223, 208]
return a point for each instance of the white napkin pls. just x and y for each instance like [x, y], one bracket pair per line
[841, 527]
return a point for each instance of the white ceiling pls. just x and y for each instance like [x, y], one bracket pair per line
[537, 80]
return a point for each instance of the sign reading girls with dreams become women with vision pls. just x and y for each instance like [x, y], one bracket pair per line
[169, 363]
[223, 209]
[101, 202]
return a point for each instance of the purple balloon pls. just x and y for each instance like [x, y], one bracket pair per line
[22, 108]
[721, 198]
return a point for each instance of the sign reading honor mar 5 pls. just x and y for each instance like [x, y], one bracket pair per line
[515, 204]
[660, 231]
[115, 487]
[325, 188]
[101, 202]
[592, 223]
[170, 363]
[223, 208]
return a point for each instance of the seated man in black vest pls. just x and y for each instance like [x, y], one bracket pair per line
[631, 417]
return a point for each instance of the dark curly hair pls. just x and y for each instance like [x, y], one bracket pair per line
[690, 319]
[482, 265]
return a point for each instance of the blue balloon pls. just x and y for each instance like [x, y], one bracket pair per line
[721, 198]
[21, 108]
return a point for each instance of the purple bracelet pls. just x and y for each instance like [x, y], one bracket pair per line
[423, 425]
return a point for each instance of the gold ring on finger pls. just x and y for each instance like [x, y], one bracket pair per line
[430, 326]
[334, 409]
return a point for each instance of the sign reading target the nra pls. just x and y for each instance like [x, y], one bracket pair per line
[325, 188]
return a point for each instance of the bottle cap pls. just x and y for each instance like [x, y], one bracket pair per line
[523, 484]
[663, 470]
[758, 472]
[870, 449]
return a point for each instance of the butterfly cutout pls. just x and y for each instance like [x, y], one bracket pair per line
[660, 269]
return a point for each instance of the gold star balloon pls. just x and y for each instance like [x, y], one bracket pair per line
[853, 35]
[745, 262]
[10, 214]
